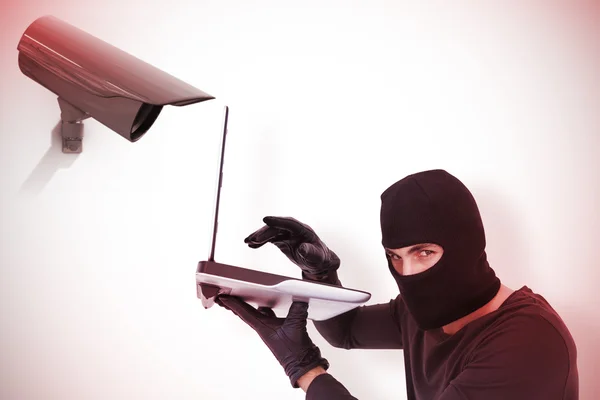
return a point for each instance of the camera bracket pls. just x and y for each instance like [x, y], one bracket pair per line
[71, 129]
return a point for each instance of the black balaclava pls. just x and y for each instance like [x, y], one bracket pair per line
[435, 207]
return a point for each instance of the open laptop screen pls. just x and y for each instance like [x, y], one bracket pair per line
[211, 256]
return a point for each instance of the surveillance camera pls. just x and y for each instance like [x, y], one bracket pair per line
[95, 79]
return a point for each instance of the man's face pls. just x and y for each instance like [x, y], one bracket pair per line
[415, 259]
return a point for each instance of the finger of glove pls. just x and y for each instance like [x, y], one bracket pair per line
[220, 303]
[297, 315]
[255, 246]
[263, 235]
[245, 311]
[288, 223]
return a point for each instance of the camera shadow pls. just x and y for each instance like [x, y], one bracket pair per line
[506, 241]
[52, 161]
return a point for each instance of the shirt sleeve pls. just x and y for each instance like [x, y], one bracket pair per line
[366, 327]
[326, 387]
[527, 359]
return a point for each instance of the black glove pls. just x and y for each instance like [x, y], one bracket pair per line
[287, 338]
[300, 244]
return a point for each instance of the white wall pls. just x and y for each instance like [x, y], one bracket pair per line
[331, 101]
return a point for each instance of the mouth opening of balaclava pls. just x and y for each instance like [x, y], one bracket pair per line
[435, 207]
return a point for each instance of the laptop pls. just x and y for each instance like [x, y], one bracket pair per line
[262, 289]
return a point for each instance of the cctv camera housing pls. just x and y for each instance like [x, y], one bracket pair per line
[95, 79]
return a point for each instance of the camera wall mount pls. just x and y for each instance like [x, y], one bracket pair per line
[71, 129]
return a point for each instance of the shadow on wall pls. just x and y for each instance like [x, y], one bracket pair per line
[585, 329]
[53, 160]
[506, 241]
[510, 259]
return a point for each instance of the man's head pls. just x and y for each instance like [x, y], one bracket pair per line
[451, 277]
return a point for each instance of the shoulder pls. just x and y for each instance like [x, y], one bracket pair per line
[526, 317]
[531, 315]
[522, 351]
[526, 333]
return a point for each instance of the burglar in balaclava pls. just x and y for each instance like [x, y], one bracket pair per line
[464, 335]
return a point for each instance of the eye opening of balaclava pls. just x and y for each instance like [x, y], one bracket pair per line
[435, 207]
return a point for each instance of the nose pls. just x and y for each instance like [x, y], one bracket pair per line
[404, 268]
[408, 268]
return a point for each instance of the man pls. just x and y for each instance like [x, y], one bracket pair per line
[464, 335]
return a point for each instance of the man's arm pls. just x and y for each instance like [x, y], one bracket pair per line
[367, 327]
[528, 359]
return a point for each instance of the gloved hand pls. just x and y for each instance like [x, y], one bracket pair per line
[300, 244]
[287, 338]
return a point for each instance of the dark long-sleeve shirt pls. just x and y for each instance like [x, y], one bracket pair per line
[522, 351]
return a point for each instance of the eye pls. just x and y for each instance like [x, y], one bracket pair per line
[426, 253]
[393, 256]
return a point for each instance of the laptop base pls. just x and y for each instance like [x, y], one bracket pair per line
[263, 289]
